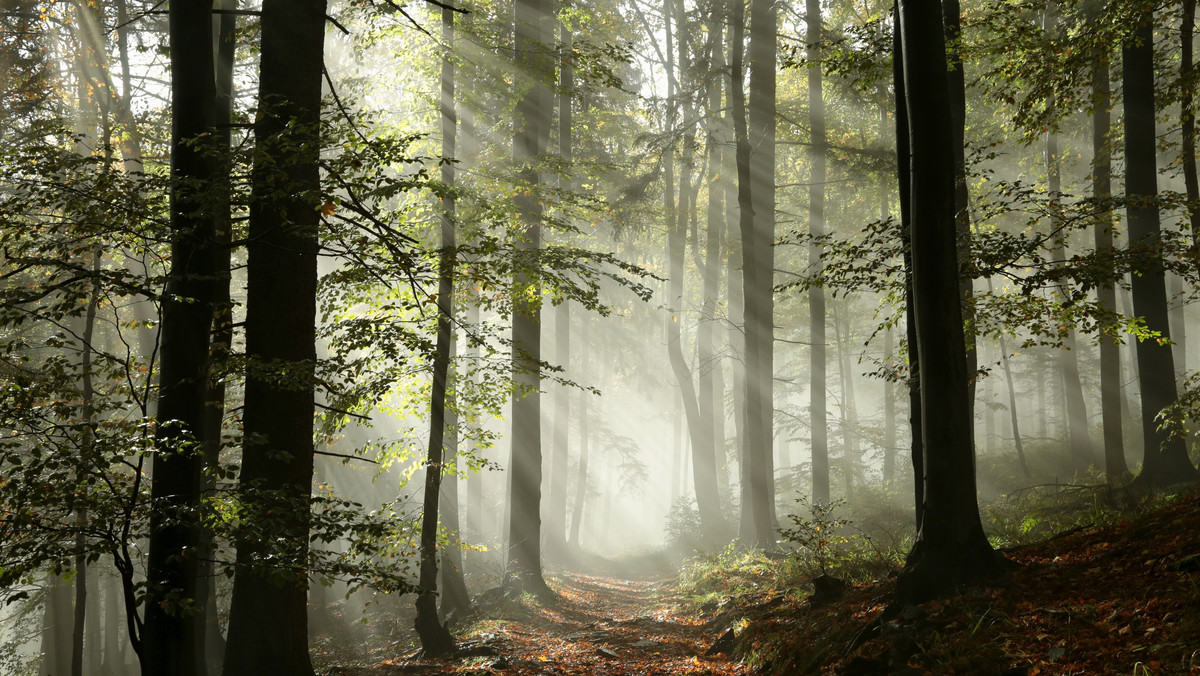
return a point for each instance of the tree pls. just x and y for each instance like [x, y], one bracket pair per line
[1165, 460]
[268, 617]
[951, 548]
[818, 419]
[758, 265]
[530, 130]
[1115, 470]
[435, 637]
[170, 645]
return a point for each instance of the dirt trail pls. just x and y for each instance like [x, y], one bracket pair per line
[597, 625]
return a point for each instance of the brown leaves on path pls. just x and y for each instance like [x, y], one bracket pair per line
[596, 625]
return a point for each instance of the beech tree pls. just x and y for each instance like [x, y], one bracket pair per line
[951, 547]
[268, 625]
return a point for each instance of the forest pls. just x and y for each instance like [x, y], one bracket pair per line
[368, 337]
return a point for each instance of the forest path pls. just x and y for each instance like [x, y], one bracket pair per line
[597, 624]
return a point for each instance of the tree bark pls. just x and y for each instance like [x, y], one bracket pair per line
[530, 127]
[904, 175]
[951, 547]
[818, 406]
[268, 621]
[557, 509]
[170, 631]
[435, 637]
[758, 265]
[1165, 460]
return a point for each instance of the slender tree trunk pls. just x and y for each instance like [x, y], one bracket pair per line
[699, 428]
[711, 406]
[170, 632]
[904, 175]
[1115, 469]
[758, 264]
[455, 598]
[1012, 404]
[818, 406]
[1079, 439]
[849, 412]
[1165, 460]
[530, 126]
[86, 450]
[435, 637]
[268, 620]
[889, 417]
[475, 521]
[951, 547]
[1187, 117]
[952, 25]
[209, 638]
[556, 526]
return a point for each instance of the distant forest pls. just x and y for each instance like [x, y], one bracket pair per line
[309, 306]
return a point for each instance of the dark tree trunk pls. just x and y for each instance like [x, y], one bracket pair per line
[951, 547]
[435, 637]
[1187, 117]
[455, 597]
[904, 175]
[530, 128]
[818, 419]
[268, 621]
[1165, 460]
[210, 638]
[170, 631]
[758, 265]
[952, 25]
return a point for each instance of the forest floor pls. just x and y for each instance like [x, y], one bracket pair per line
[624, 624]
[1121, 598]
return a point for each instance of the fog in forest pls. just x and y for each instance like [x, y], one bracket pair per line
[651, 286]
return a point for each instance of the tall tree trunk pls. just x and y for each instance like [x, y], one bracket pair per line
[951, 547]
[818, 418]
[699, 428]
[904, 175]
[952, 25]
[1078, 437]
[1187, 117]
[208, 624]
[268, 621]
[530, 128]
[758, 265]
[711, 405]
[557, 510]
[86, 450]
[1115, 469]
[1165, 460]
[435, 637]
[172, 585]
